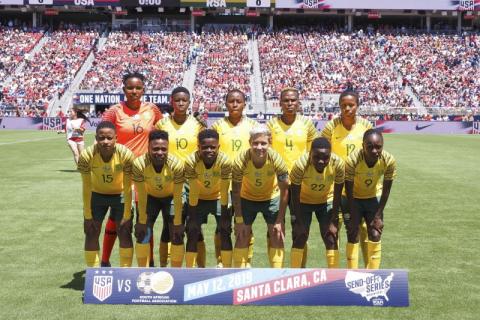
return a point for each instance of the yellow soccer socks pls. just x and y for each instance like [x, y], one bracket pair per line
[126, 257]
[240, 257]
[296, 257]
[178, 252]
[92, 259]
[226, 258]
[352, 255]
[142, 251]
[190, 259]
[375, 254]
[275, 256]
[332, 258]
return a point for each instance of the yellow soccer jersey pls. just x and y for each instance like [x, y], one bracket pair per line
[107, 177]
[234, 139]
[317, 187]
[343, 141]
[259, 184]
[158, 184]
[208, 184]
[367, 182]
[112, 177]
[182, 139]
[292, 140]
[168, 182]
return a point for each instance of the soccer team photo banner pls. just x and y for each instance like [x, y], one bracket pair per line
[310, 287]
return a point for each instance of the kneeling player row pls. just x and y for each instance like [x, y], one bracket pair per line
[260, 183]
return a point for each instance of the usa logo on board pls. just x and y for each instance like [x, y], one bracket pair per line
[102, 286]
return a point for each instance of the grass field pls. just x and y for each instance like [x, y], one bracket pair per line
[431, 229]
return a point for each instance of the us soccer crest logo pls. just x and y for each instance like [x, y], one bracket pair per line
[102, 286]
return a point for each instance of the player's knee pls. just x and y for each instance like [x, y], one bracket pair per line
[299, 239]
[330, 242]
[352, 235]
[165, 236]
[374, 235]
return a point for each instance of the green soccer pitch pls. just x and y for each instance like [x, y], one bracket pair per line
[431, 228]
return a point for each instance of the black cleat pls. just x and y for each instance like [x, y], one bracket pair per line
[105, 264]
[152, 264]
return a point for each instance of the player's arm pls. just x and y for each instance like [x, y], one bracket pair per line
[193, 199]
[127, 186]
[349, 177]
[327, 131]
[85, 170]
[337, 188]
[390, 173]
[236, 200]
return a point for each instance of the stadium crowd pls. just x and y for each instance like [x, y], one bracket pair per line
[159, 56]
[48, 73]
[387, 68]
[222, 64]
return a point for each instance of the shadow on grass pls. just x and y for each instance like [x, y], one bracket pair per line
[67, 171]
[77, 283]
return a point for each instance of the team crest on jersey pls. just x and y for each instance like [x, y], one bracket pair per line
[118, 167]
[270, 173]
[216, 173]
[102, 286]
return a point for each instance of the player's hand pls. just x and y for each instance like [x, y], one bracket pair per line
[140, 231]
[89, 226]
[279, 231]
[178, 232]
[126, 224]
[377, 224]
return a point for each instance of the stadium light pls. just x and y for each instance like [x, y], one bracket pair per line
[118, 9]
[182, 10]
[139, 9]
[160, 9]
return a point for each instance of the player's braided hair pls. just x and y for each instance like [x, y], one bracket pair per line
[284, 90]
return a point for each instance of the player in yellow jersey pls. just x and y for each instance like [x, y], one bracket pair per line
[260, 184]
[234, 133]
[106, 169]
[364, 170]
[317, 179]
[209, 173]
[292, 134]
[158, 178]
[182, 132]
[345, 133]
